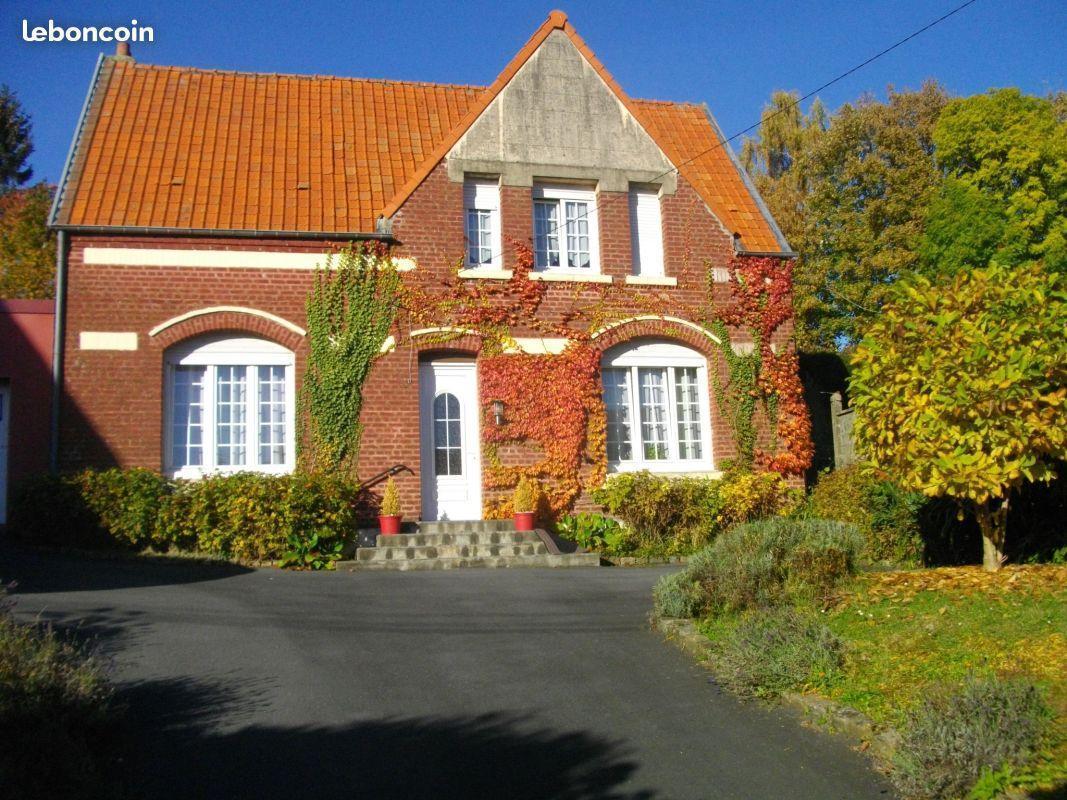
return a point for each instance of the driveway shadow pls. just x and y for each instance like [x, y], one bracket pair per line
[39, 570]
[183, 753]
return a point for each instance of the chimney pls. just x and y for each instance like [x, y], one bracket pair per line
[122, 50]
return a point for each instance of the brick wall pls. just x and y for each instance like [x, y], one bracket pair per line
[113, 407]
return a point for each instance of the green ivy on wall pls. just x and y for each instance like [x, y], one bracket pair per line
[350, 311]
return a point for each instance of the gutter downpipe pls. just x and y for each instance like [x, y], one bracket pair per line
[58, 335]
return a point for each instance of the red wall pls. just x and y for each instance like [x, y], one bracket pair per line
[112, 412]
[26, 366]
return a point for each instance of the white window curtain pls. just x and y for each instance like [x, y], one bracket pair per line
[646, 231]
[565, 229]
[230, 405]
[481, 202]
[657, 406]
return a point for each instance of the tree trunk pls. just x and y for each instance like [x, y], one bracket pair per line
[993, 523]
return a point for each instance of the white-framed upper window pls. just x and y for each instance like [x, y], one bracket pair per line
[481, 209]
[658, 412]
[230, 403]
[646, 231]
[566, 236]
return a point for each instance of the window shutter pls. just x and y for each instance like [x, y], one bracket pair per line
[481, 193]
[646, 231]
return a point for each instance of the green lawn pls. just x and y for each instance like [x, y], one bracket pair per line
[907, 630]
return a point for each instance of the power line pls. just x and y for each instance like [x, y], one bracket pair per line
[556, 226]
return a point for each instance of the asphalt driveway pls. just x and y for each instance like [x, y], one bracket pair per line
[462, 684]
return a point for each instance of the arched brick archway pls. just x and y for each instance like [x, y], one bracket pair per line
[249, 321]
[679, 330]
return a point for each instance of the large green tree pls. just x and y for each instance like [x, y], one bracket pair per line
[850, 194]
[15, 143]
[27, 248]
[1004, 196]
[779, 159]
[960, 388]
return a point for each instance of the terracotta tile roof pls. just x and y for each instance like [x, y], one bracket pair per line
[169, 147]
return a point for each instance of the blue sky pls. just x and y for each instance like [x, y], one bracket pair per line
[728, 53]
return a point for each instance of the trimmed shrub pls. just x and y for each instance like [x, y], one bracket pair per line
[59, 724]
[677, 596]
[251, 516]
[775, 562]
[887, 516]
[244, 515]
[748, 496]
[668, 515]
[770, 652]
[954, 734]
[679, 515]
[49, 509]
[123, 503]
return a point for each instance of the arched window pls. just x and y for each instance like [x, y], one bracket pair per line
[229, 406]
[658, 415]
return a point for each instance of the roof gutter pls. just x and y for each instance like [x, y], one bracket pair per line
[224, 233]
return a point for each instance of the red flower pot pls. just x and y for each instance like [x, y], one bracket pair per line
[390, 524]
[524, 520]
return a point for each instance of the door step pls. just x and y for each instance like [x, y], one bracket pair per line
[464, 544]
[488, 562]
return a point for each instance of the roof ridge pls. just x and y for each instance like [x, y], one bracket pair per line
[296, 75]
[326, 77]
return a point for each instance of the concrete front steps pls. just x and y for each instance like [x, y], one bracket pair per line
[452, 545]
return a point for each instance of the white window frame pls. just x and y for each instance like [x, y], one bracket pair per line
[212, 352]
[561, 194]
[483, 194]
[654, 354]
[646, 240]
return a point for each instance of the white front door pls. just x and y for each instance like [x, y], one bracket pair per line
[451, 452]
[5, 421]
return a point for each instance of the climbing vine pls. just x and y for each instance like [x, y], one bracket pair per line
[554, 426]
[761, 303]
[350, 310]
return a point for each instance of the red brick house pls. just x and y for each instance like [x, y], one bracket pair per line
[196, 205]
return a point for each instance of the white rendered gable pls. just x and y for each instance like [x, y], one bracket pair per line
[558, 118]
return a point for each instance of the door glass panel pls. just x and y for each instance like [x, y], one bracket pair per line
[447, 437]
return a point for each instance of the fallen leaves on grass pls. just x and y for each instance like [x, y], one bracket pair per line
[1014, 579]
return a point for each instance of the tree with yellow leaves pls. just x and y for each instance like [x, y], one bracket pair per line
[960, 388]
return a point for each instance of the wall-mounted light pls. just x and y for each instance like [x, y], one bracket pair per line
[498, 412]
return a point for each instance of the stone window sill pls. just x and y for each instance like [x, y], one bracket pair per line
[485, 274]
[570, 277]
[651, 280]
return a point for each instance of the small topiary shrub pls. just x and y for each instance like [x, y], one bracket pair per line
[59, 724]
[887, 516]
[390, 499]
[677, 596]
[775, 562]
[770, 652]
[526, 496]
[954, 734]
